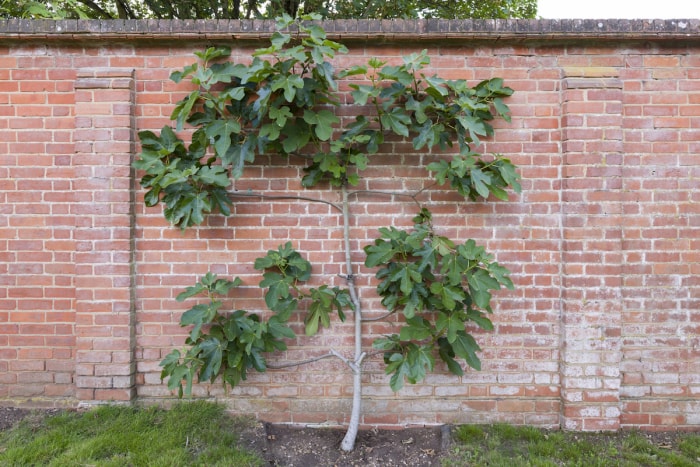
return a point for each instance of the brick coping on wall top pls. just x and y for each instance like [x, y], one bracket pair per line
[426, 29]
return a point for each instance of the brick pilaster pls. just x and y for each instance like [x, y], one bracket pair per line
[104, 144]
[592, 249]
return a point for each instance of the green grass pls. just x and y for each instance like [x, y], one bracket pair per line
[188, 434]
[510, 446]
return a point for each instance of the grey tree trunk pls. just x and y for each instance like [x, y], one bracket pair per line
[349, 440]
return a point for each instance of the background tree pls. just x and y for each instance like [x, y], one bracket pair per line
[282, 104]
[249, 9]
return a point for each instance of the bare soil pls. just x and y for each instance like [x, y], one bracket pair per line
[11, 415]
[283, 445]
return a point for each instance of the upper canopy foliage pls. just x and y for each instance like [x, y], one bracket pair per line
[250, 9]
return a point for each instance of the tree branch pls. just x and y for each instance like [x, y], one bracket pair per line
[279, 366]
[354, 365]
[379, 318]
[264, 196]
[413, 195]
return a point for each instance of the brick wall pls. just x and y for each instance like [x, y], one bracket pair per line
[602, 331]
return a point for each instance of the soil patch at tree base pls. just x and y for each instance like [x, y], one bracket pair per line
[292, 446]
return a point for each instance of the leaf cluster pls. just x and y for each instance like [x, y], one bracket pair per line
[277, 104]
[283, 104]
[228, 344]
[439, 288]
[435, 113]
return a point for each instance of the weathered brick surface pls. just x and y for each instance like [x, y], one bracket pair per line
[602, 331]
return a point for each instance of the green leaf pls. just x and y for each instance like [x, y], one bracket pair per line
[278, 288]
[396, 120]
[177, 76]
[212, 53]
[482, 321]
[183, 109]
[297, 136]
[411, 367]
[324, 300]
[221, 73]
[221, 131]
[464, 346]
[280, 115]
[447, 355]
[501, 273]
[498, 192]
[495, 85]
[471, 251]
[289, 84]
[509, 174]
[189, 210]
[406, 275]
[330, 164]
[442, 170]
[235, 94]
[325, 71]
[199, 315]
[386, 343]
[176, 373]
[175, 177]
[474, 126]
[481, 182]
[353, 71]
[379, 253]
[396, 382]
[451, 267]
[427, 134]
[322, 121]
[171, 360]
[191, 291]
[463, 164]
[278, 329]
[238, 154]
[480, 282]
[211, 352]
[437, 86]
[449, 295]
[416, 329]
[223, 286]
[215, 175]
[398, 74]
[312, 320]
[362, 93]
[502, 109]
[269, 132]
[152, 197]
[221, 201]
[451, 323]
[420, 359]
[279, 39]
[258, 360]
[166, 143]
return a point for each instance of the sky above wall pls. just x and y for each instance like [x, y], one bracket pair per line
[619, 9]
